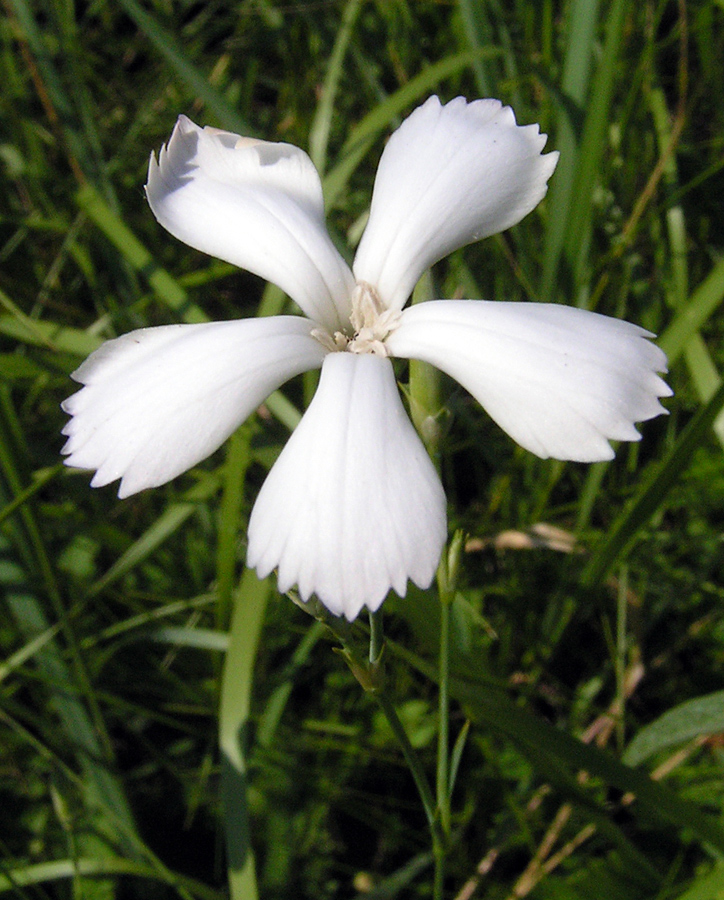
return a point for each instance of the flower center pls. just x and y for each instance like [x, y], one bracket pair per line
[370, 322]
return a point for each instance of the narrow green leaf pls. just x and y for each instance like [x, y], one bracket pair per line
[236, 687]
[702, 715]
[457, 755]
[652, 495]
[38, 333]
[493, 708]
[704, 302]
[201, 638]
[580, 49]
[166, 288]
[275, 705]
[478, 35]
[707, 887]
[394, 884]
[234, 476]
[322, 122]
[593, 144]
[169, 522]
[97, 867]
[40, 479]
[198, 83]
[498, 712]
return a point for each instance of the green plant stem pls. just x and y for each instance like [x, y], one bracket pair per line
[443, 732]
[446, 581]
[411, 758]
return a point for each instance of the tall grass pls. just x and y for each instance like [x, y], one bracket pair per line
[171, 727]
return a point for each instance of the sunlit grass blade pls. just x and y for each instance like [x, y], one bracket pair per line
[592, 148]
[236, 687]
[166, 288]
[322, 122]
[708, 886]
[701, 306]
[37, 333]
[47, 873]
[580, 48]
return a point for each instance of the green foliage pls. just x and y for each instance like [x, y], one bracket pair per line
[158, 704]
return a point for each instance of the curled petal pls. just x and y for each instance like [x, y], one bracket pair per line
[561, 381]
[353, 506]
[449, 175]
[159, 400]
[257, 205]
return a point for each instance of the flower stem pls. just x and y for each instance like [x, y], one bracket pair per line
[443, 736]
[413, 762]
[447, 576]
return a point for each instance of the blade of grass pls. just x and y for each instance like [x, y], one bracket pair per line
[477, 33]
[561, 751]
[322, 122]
[689, 720]
[234, 477]
[274, 707]
[196, 81]
[702, 368]
[702, 304]
[167, 523]
[97, 867]
[580, 47]
[166, 288]
[61, 339]
[236, 686]
[592, 148]
[652, 495]
[104, 796]
[71, 693]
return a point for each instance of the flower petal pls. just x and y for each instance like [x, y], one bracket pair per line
[257, 205]
[449, 175]
[561, 381]
[159, 400]
[353, 506]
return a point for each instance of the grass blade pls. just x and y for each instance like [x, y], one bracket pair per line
[622, 535]
[199, 84]
[236, 685]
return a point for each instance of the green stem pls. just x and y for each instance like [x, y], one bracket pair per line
[447, 575]
[423, 787]
[443, 737]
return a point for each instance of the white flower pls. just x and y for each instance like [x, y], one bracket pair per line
[353, 506]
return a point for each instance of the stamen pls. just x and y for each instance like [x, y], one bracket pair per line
[371, 323]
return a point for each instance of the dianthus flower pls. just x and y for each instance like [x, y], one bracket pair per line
[353, 505]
